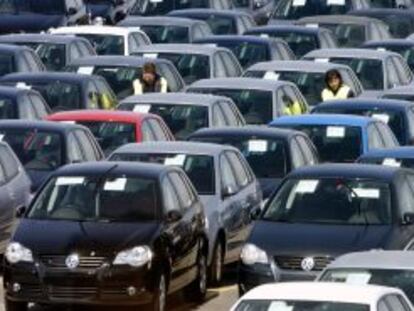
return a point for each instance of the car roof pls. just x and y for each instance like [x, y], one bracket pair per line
[404, 152]
[159, 20]
[324, 119]
[174, 147]
[39, 37]
[175, 98]
[94, 29]
[116, 60]
[10, 91]
[290, 28]
[230, 13]
[352, 171]
[320, 291]
[297, 65]
[99, 115]
[259, 131]
[179, 48]
[48, 76]
[337, 19]
[367, 103]
[390, 42]
[40, 125]
[145, 170]
[375, 259]
[10, 48]
[239, 38]
[350, 53]
[240, 83]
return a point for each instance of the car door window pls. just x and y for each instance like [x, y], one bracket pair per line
[147, 133]
[382, 306]
[10, 164]
[219, 67]
[74, 51]
[219, 119]
[157, 130]
[297, 157]
[74, 149]
[26, 109]
[184, 195]
[86, 145]
[231, 118]
[22, 64]
[31, 58]
[292, 93]
[93, 96]
[242, 175]
[393, 79]
[228, 179]
[394, 303]
[197, 32]
[402, 70]
[387, 135]
[170, 198]
[308, 151]
[374, 138]
[83, 49]
[40, 106]
[2, 174]
[232, 68]
[133, 44]
[106, 97]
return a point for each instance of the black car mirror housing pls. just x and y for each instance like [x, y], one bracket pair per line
[72, 11]
[408, 218]
[20, 211]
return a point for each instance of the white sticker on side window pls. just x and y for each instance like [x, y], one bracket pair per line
[257, 145]
[142, 108]
[391, 162]
[279, 306]
[177, 160]
[151, 55]
[336, 2]
[335, 131]
[117, 184]
[322, 60]
[381, 116]
[306, 186]
[367, 193]
[270, 75]
[67, 181]
[68, 122]
[264, 35]
[23, 86]
[86, 70]
[299, 2]
[312, 25]
[156, 1]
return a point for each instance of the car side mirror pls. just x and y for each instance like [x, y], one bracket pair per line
[255, 213]
[174, 216]
[72, 11]
[408, 218]
[20, 211]
[228, 191]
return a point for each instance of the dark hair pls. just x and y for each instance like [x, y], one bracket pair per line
[333, 73]
[149, 68]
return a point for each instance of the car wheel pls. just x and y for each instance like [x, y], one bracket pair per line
[197, 290]
[160, 294]
[15, 306]
[216, 269]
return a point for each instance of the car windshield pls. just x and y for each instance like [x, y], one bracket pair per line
[267, 157]
[192, 67]
[400, 26]
[348, 35]
[394, 119]
[162, 7]
[7, 108]
[397, 278]
[6, 64]
[221, 25]
[404, 51]
[334, 143]
[296, 9]
[58, 94]
[256, 106]
[299, 305]
[106, 44]
[111, 135]
[199, 168]
[166, 34]
[182, 120]
[37, 150]
[300, 43]
[247, 53]
[390, 161]
[369, 71]
[96, 198]
[52, 55]
[331, 201]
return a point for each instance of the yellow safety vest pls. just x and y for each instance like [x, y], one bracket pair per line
[293, 109]
[342, 93]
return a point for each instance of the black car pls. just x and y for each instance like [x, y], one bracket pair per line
[66, 91]
[398, 157]
[250, 50]
[40, 15]
[271, 153]
[109, 233]
[323, 211]
[110, 11]
[18, 59]
[42, 147]
[54, 51]
[16, 103]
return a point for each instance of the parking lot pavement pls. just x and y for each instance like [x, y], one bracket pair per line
[218, 299]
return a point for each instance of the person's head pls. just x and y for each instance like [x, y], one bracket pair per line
[333, 79]
[149, 73]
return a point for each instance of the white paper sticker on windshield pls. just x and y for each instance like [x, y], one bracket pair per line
[142, 108]
[391, 162]
[382, 49]
[156, 1]
[270, 75]
[279, 306]
[322, 60]
[299, 2]
[360, 278]
[1, 137]
[23, 86]
[68, 122]
[264, 35]
[336, 2]
[257, 145]
[86, 70]
[177, 160]
[117, 184]
[67, 181]
[335, 131]
[307, 186]
[213, 45]
[381, 116]
[367, 193]
[151, 55]
[312, 25]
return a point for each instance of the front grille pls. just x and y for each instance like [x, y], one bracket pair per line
[30, 291]
[295, 262]
[62, 292]
[58, 262]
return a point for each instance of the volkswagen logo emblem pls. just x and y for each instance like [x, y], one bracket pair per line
[308, 263]
[72, 261]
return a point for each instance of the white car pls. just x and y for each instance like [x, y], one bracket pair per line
[312, 296]
[108, 40]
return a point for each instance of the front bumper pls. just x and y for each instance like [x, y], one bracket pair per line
[106, 285]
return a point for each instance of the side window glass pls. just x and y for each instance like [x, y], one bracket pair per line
[30, 57]
[93, 96]
[170, 199]
[230, 64]
[308, 152]
[10, 165]
[297, 157]
[106, 98]
[22, 64]
[218, 116]
[74, 149]
[133, 44]
[228, 179]
[394, 303]
[239, 169]
[147, 134]
[229, 114]
[219, 67]
[184, 195]
[374, 139]
[382, 306]
[402, 70]
[393, 79]
[407, 195]
[87, 146]
[2, 174]
[26, 110]
[74, 52]
[39, 106]
[197, 32]
[387, 135]
[158, 130]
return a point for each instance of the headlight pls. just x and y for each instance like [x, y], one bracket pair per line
[15, 252]
[135, 257]
[251, 254]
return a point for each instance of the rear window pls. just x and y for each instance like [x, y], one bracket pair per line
[106, 44]
[350, 35]
[247, 53]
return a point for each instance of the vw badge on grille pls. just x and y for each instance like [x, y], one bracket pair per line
[72, 261]
[308, 263]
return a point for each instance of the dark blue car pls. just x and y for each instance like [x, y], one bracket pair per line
[397, 157]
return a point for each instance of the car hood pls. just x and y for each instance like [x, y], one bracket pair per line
[64, 237]
[269, 185]
[101, 10]
[302, 239]
[38, 178]
[29, 22]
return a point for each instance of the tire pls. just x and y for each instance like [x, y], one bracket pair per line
[197, 290]
[160, 294]
[15, 306]
[216, 268]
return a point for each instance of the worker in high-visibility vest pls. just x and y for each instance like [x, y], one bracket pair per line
[335, 88]
[150, 82]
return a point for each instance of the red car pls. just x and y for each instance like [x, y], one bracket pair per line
[113, 129]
